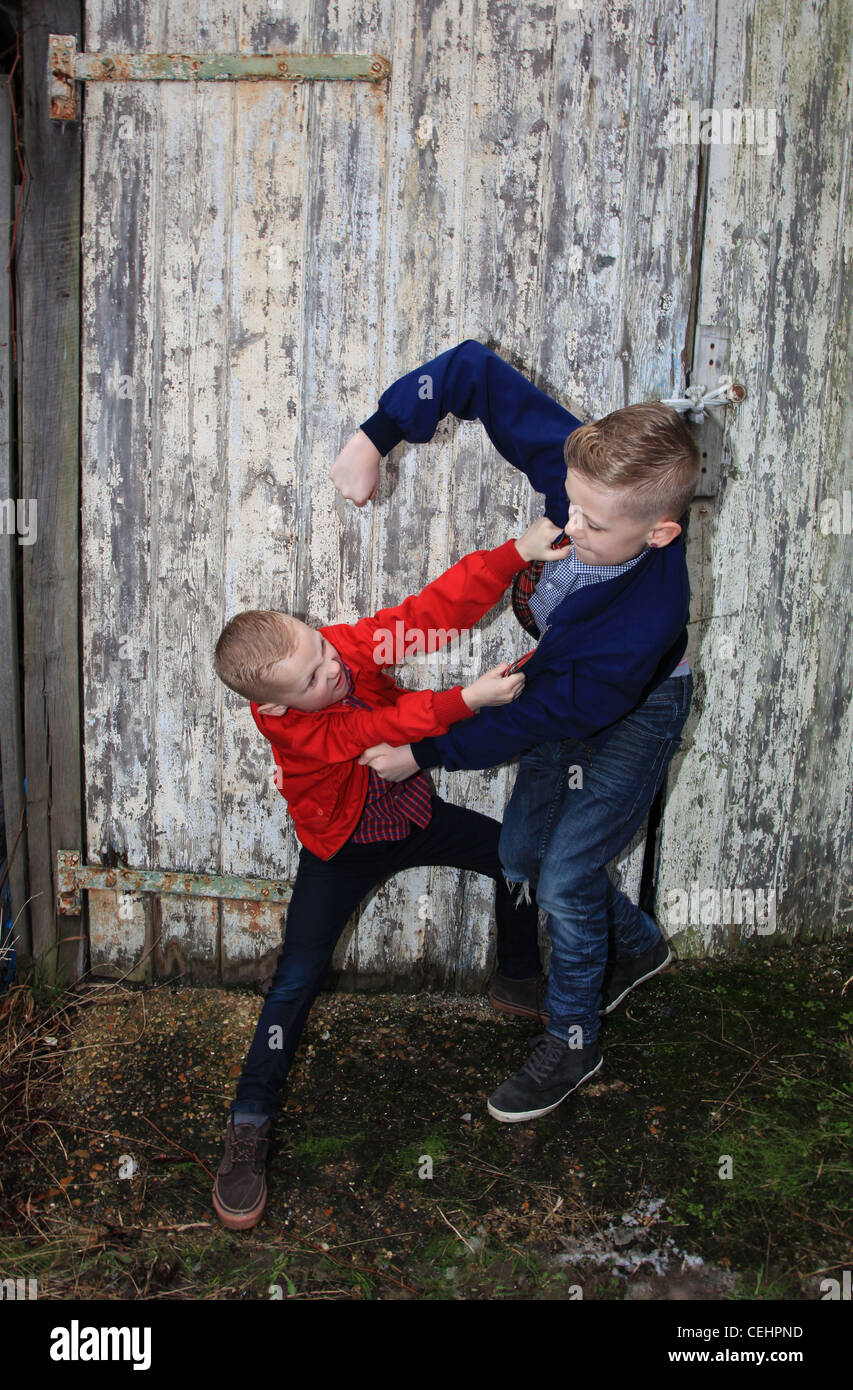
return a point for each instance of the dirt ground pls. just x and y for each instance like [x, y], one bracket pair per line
[388, 1179]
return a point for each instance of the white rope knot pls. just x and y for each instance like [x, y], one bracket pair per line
[697, 399]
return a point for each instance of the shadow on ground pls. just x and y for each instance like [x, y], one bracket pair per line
[388, 1178]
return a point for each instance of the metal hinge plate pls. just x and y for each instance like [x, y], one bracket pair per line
[67, 67]
[72, 878]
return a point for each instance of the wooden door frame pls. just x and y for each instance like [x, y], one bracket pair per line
[48, 281]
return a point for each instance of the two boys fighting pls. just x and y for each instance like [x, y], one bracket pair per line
[605, 692]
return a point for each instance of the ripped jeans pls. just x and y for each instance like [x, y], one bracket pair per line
[572, 810]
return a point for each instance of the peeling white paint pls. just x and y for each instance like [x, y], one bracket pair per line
[514, 184]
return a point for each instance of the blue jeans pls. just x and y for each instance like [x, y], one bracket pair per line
[572, 809]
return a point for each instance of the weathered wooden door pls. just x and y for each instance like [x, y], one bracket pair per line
[757, 830]
[260, 259]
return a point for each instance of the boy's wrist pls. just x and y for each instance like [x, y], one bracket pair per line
[383, 432]
[450, 706]
[506, 560]
[470, 698]
[425, 753]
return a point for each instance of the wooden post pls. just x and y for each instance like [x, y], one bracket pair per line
[48, 291]
[11, 727]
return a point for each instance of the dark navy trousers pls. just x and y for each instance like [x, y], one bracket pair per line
[325, 895]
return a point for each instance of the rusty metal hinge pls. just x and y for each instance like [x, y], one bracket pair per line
[72, 878]
[67, 67]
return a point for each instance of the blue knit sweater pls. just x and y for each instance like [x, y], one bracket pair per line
[608, 644]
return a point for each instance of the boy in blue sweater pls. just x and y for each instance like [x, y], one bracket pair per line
[606, 695]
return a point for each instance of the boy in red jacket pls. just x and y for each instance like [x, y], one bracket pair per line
[321, 697]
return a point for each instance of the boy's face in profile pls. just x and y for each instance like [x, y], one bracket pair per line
[312, 677]
[602, 533]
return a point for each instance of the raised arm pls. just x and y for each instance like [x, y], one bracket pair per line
[453, 602]
[343, 733]
[470, 381]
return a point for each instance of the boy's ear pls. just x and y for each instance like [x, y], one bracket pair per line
[272, 709]
[662, 533]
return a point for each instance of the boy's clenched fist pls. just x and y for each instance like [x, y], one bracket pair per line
[355, 472]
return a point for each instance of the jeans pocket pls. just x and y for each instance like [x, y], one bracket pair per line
[657, 765]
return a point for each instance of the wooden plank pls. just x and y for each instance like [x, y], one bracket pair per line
[344, 232]
[409, 922]
[620, 221]
[48, 290]
[258, 561]
[196, 262]
[121, 332]
[698, 782]
[499, 284]
[767, 770]
[649, 347]
[11, 722]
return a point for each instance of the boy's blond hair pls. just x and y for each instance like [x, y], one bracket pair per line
[645, 450]
[250, 646]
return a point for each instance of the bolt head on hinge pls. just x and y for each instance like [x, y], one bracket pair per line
[69, 896]
[62, 83]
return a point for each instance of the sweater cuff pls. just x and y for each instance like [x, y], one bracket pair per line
[382, 431]
[425, 754]
[449, 707]
[506, 560]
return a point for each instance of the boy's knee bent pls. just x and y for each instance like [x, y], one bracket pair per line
[567, 884]
[518, 860]
[296, 975]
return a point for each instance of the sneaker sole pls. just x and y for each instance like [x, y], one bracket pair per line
[516, 1011]
[658, 968]
[513, 1117]
[239, 1220]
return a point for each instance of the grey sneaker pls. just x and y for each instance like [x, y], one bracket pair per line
[552, 1071]
[631, 971]
[240, 1189]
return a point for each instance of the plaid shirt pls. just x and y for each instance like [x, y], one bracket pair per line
[390, 808]
[561, 577]
[524, 587]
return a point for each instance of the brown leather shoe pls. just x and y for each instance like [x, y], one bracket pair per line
[520, 998]
[240, 1189]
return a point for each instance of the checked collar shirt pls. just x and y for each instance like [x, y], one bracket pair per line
[563, 576]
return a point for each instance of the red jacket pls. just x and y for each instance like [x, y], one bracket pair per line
[316, 750]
